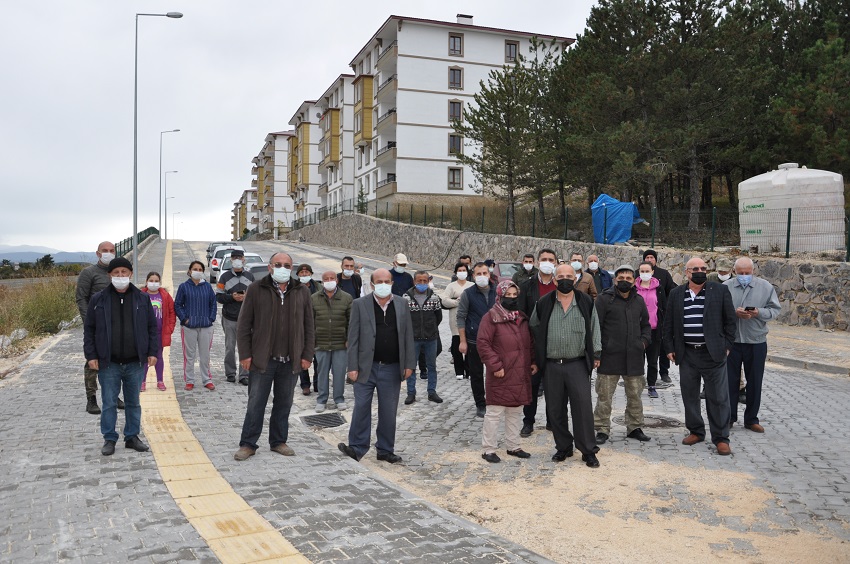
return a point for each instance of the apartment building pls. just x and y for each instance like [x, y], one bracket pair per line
[304, 159]
[336, 145]
[270, 169]
[413, 78]
[246, 214]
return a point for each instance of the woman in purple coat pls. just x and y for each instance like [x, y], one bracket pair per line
[507, 350]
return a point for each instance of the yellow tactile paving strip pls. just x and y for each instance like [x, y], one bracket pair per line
[231, 527]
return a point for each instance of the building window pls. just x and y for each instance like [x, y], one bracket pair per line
[358, 92]
[358, 122]
[455, 179]
[360, 158]
[368, 151]
[455, 144]
[455, 110]
[456, 78]
[367, 183]
[456, 44]
[511, 49]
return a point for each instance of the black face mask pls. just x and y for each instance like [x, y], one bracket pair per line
[565, 286]
[623, 286]
[699, 278]
[510, 304]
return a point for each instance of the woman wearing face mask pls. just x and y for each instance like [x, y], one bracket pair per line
[450, 298]
[166, 319]
[506, 348]
[195, 306]
[650, 290]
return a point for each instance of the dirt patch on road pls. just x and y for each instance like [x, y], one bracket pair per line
[16, 354]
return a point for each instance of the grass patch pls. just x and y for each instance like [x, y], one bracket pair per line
[38, 307]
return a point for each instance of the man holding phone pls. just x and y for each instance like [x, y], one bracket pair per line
[756, 303]
[230, 292]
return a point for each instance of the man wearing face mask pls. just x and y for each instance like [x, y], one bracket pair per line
[230, 292]
[305, 276]
[626, 333]
[699, 332]
[276, 337]
[120, 342]
[601, 278]
[723, 271]
[349, 281]
[583, 284]
[426, 314]
[530, 292]
[527, 271]
[92, 280]
[331, 314]
[402, 280]
[473, 304]
[567, 341]
[380, 357]
[755, 304]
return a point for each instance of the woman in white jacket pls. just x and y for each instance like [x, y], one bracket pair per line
[450, 298]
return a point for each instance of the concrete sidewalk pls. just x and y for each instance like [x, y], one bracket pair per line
[809, 348]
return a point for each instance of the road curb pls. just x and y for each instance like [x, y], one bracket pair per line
[809, 365]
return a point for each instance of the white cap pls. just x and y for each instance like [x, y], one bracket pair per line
[401, 259]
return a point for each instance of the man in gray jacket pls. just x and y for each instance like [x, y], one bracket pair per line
[756, 303]
[380, 356]
[92, 280]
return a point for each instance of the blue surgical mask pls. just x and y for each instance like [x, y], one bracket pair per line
[745, 279]
[422, 288]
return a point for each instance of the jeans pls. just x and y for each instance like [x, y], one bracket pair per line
[325, 362]
[429, 349]
[231, 368]
[386, 378]
[112, 378]
[277, 375]
[697, 365]
[752, 357]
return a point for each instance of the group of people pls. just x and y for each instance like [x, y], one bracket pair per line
[542, 333]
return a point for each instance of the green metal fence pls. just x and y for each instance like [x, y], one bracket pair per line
[126, 245]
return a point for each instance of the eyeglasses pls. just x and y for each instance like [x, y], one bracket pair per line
[281, 265]
[699, 269]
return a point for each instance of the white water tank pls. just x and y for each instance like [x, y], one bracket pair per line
[816, 200]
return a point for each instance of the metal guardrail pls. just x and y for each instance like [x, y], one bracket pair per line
[126, 245]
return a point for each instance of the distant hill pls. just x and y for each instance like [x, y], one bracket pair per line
[27, 249]
[58, 256]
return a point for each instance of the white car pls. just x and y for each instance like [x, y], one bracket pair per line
[218, 256]
[251, 260]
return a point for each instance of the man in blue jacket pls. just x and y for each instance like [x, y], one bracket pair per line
[120, 342]
[474, 302]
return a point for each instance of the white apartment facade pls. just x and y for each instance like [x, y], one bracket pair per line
[246, 214]
[336, 145]
[271, 166]
[304, 159]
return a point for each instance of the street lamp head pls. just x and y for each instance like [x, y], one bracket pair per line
[174, 15]
[171, 171]
[174, 130]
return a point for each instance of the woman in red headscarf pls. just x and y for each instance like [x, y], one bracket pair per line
[507, 350]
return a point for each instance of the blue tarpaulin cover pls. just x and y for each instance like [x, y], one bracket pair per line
[618, 226]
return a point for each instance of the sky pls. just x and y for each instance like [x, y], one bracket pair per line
[225, 74]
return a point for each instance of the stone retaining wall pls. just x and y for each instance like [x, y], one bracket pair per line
[812, 293]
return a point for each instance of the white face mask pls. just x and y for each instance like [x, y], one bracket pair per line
[547, 267]
[527, 266]
[383, 290]
[348, 273]
[238, 263]
[106, 258]
[593, 265]
[281, 275]
[305, 279]
[482, 281]
[646, 276]
[490, 268]
[462, 275]
[121, 282]
[330, 286]
[576, 266]
[724, 277]
[399, 269]
[197, 275]
[154, 286]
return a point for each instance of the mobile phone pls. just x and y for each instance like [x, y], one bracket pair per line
[749, 308]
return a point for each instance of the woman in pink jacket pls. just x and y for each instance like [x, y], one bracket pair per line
[650, 290]
[507, 350]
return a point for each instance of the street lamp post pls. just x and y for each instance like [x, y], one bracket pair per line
[136, 144]
[159, 212]
[173, 223]
[166, 214]
[166, 199]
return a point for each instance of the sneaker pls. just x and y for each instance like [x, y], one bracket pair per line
[341, 406]
[320, 407]
[144, 386]
[160, 386]
[652, 392]
[666, 379]
[210, 386]
[460, 376]
[190, 387]
[662, 384]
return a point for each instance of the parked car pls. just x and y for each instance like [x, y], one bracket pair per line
[505, 270]
[258, 269]
[212, 246]
[250, 259]
[218, 257]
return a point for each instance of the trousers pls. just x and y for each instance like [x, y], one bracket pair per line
[564, 383]
[606, 385]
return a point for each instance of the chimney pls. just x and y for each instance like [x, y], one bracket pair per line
[464, 19]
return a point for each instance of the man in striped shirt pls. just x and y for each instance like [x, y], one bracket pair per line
[699, 331]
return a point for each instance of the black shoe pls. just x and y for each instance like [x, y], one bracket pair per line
[409, 399]
[526, 431]
[519, 453]
[548, 427]
[562, 455]
[480, 411]
[108, 448]
[390, 457]
[348, 451]
[742, 396]
[601, 438]
[540, 392]
[120, 403]
[491, 457]
[590, 460]
[435, 398]
[243, 380]
[231, 378]
[423, 375]
[91, 406]
[136, 444]
[639, 435]
[666, 378]
[702, 394]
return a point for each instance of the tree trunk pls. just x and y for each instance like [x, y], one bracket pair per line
[733, 200]
[706, 193]
[695, 173]
[562, 197]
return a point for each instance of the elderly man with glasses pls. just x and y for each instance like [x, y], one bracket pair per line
[699, 332]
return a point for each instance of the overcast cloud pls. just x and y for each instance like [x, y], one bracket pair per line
[225, 74]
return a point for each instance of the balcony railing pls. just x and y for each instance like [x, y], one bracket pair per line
[387, 82]
[390, 146]
[389, 113]
[388, 180]
[388, 49]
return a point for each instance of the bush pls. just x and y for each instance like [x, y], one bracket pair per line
[38, 307]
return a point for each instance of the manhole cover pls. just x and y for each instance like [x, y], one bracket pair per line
[324, 420]
[652, 421]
